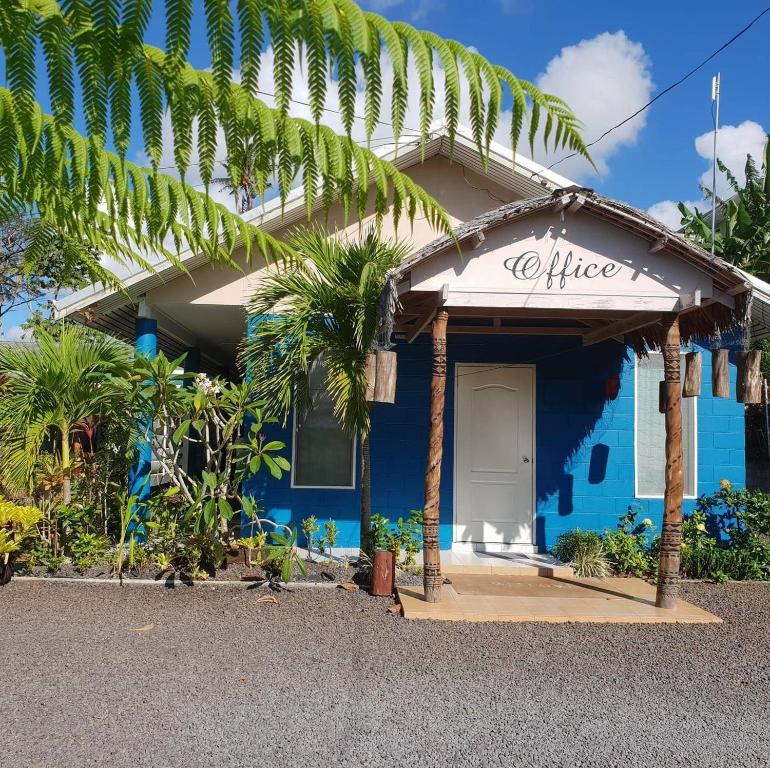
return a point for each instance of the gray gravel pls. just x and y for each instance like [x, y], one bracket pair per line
[328, 678]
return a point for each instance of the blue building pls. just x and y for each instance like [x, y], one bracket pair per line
[558, 302]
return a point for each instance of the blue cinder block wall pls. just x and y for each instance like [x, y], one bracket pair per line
[584, 440]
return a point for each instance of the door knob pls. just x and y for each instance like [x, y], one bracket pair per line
[525, 459]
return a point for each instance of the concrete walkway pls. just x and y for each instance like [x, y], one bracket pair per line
[556, 597]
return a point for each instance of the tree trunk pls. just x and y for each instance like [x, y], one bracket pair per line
[671, 534]
[66, 486]
[366, 496]
[432, 579]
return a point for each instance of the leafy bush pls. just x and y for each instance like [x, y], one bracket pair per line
[628, 547]
[87, 549]
[568, 543]
[584, 551]
[17, 523]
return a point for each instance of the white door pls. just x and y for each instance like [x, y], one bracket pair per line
[494, 458]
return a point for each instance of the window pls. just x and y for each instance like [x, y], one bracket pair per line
[651, 431]
[324, 456]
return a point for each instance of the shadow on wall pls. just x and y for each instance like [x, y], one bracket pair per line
[573, 392]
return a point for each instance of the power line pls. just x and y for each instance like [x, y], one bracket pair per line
[670, 87]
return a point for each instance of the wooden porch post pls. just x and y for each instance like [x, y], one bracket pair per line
[432, 578]
[671, 534]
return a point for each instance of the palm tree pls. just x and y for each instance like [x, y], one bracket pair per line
[50, 391]
[246, 184]
[75, 185]
[329, 303]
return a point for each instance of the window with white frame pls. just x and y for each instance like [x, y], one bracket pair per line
[324, 456]
[651, 431]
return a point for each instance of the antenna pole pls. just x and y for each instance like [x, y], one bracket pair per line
[715, 83]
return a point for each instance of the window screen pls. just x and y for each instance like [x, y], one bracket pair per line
[651, 431]
[323, 453]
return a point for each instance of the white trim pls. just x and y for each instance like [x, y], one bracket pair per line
[695, 430]
[319, 487]
[482, 545]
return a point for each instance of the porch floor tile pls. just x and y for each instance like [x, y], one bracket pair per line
[560, 598]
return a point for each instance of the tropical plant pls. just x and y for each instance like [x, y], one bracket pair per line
[742, 234]
[329, 540]
[628, 546]
[584, 552]
[329, 299]
[223, 419]
[87, 549]
[26, 281]
[49, 391]
[17, 523]
[310, 528]
[409, 532]
[72, 184]
[247, 187]
[281, 557]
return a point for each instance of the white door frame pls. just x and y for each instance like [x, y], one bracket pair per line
[470, 546]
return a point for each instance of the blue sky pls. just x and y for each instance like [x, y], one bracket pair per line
[607, 59]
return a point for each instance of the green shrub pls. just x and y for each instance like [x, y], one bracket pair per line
[568, 543]
[628, 547]
[87, 549]
[584, 551]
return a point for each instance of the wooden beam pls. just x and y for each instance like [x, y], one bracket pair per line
[425, 319]
[671, 533]
[516, 330]
[431, 578]
[690, 301]
[658, 245]
[619, 327]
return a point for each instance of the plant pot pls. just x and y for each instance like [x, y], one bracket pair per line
[383, 573]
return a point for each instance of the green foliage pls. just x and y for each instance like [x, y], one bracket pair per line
[381, 532]
[213, 415]
[405, 535]
[584, 551]
[329, 540]
[87, 549]
[310, 528]
[743, 222]
[409, 533]
[331, 296]
[280, 556]
[49, 392]
[116, 66]
[17, 523]
[628, 546]
[568, 543]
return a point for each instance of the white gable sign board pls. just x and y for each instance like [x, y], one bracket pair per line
[581, 262]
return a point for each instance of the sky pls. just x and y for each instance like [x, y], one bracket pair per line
[606, 59]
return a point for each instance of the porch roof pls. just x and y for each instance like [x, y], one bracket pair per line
[737, 297]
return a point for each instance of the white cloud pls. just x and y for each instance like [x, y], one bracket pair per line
[16, 333]
[603, 79]
[734, 143]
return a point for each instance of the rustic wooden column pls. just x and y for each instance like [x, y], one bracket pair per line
[671, 535]
[432, 578]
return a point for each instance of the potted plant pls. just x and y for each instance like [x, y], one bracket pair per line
[383, 557]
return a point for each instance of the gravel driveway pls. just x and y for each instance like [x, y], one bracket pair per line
[146, 676]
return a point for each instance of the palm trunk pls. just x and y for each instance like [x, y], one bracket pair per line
[366, 495]
[66, 486]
